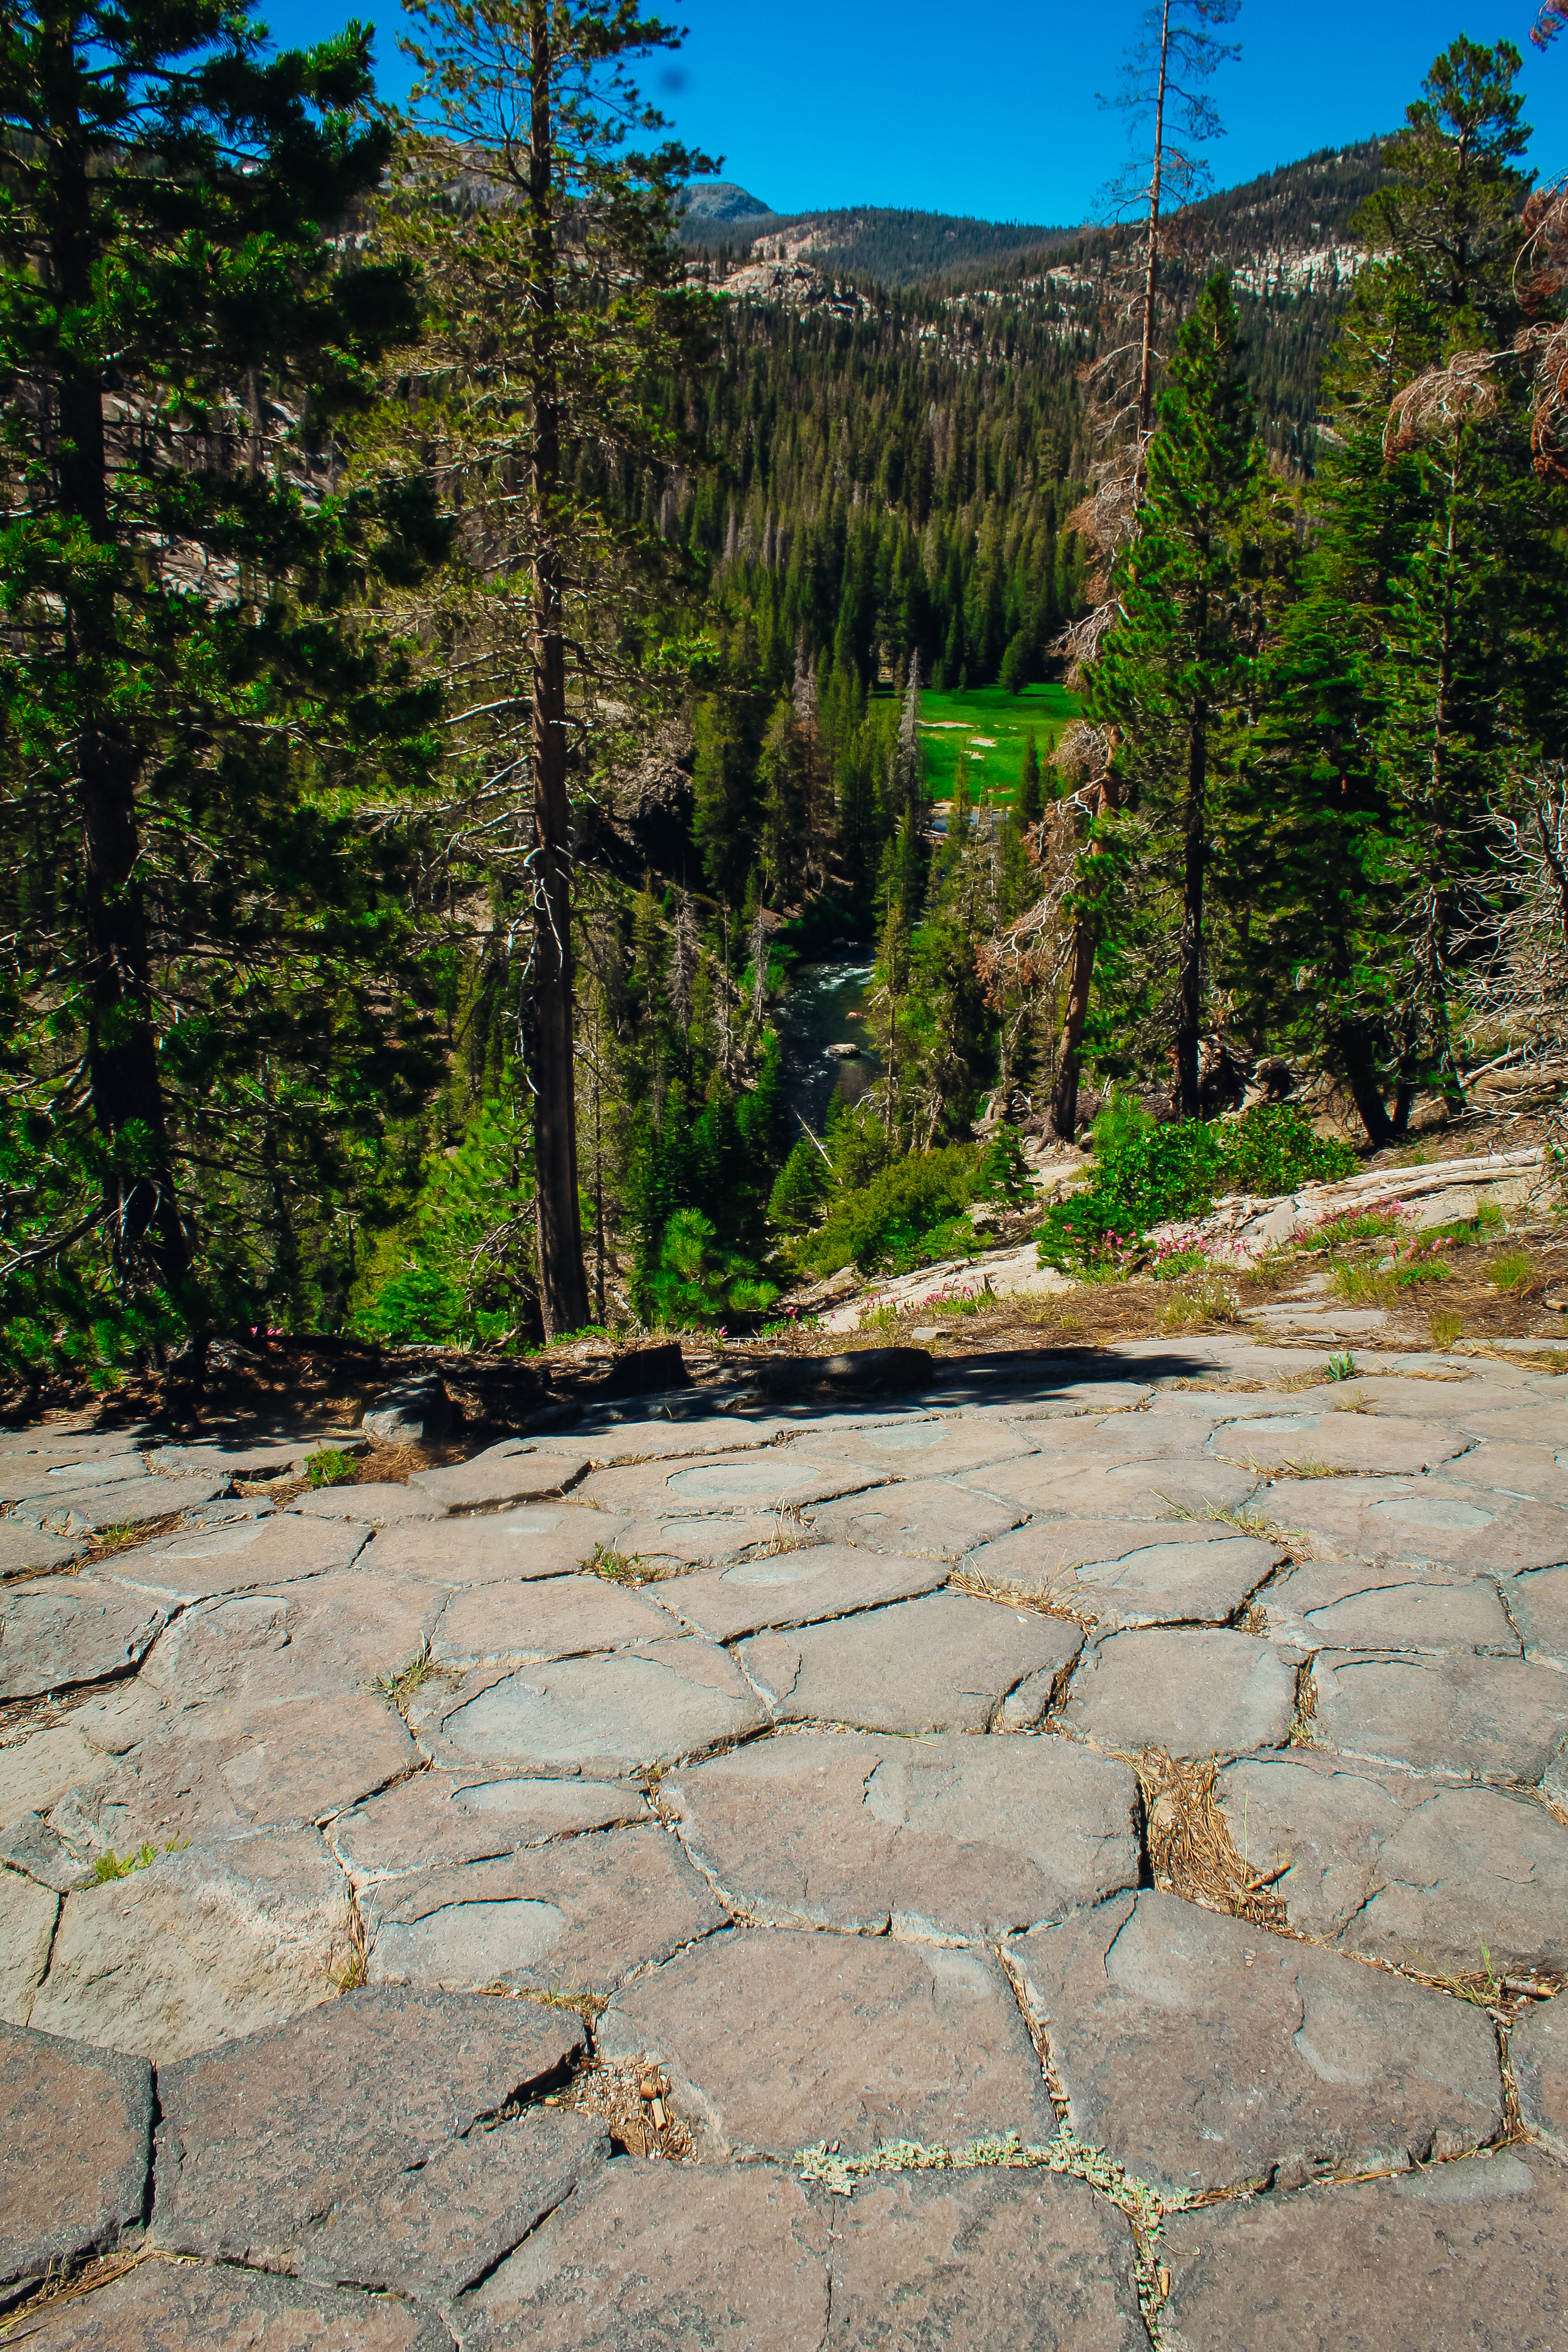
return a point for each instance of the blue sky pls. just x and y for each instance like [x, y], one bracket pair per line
[992, 111]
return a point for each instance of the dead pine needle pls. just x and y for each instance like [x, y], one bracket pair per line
[1192, 1851]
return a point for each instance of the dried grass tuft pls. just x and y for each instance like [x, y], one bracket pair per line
[632, 2095]
[1190, 1849]
[1049, 1601]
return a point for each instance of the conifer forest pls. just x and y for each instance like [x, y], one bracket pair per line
[495, 686]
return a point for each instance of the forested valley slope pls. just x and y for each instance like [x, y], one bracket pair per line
[477, 635]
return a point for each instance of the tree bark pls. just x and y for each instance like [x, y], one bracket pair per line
[1190, 947]
[1069, 1053]
[563, 1278]
[141, 1200]
[1152, 279]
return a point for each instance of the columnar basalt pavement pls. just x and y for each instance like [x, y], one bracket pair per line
[1076, 1858]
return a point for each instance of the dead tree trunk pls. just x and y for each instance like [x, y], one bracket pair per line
[563, 1279]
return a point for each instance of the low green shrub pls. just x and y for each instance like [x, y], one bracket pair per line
[1004, 1172]
[1146, 1175]
[908, 1215]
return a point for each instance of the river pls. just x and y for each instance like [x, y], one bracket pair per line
[824, 1005]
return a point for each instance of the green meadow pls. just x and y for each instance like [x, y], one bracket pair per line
[990, 728]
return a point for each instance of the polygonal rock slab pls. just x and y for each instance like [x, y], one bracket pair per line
[1467, 2254]
[615, 1714]
[1537, 1471]
[948, 1662]
[201, 1946]
[378, 1501]
[1470, 1718]
[66, 1630]
[228, 1659]
[950, 1837]
[571, 1916]
[1112, 1487]
[1013, 2260]
[1202, 1581]
[1539, 1605]
[508, 1473]
[1383, 1864]
[26, 1930]
[39, 1770]
[1203, 2052]
[703, 1543]
[1335, 1605]
[442, 1818]
[1417, 1520]
[551, 1540]
[792, 1587]
[23, 1546]
[559, 1617]
[1339, 1440]
[774, 2040]
[198, 2307]
[934, 1516]
[262, 1459]
[126, 1503]
[923, 1449]
[76, 2145]
[238, 1557]
[736, 2262]
[264, 2139]
[34, 1477]
[35, 1849]
[1539, 2048]
[763, 1480]
[1193, 1694]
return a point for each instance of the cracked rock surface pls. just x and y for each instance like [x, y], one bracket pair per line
[828, 1875]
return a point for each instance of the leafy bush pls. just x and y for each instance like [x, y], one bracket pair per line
[908, 1214]
[1146, 1175]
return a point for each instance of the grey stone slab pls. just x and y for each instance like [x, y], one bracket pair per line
[945, 1448]
[1468, 1719]
[440, 1818]
[1338, 1605]
[1016, 2261]
[1522, 1421]
[27, 1913]
[231, 1658]
[130, 1503]
[558, 1617]
[351, 2142]
[1205, 2052]
[38, 1769]
[571, 1917]
[1201, 1582]
[952, 1837]
[260, 1458]
[551, 1540]
[792, 1587]
[735, 2261]
[278, 1550]
[70, 1629]
[655, 1438]
[1539, 2048]
[206, 1944]
[76, 2145]
[765, 1480]
[940, 1518]
[1384, 1864]
[947, 1662]
[54, 1441]
[34, 1478]
[705, 1542]
[613, 1714]
[1067, 1398]
[501, 1476]
[23, 1546]
[1537, 1603]
[1192, 1692]
[38, 1851]
[775, 2040]
[1392, 1446]
[1106, 1486]
[1534, 1472]
[1466, 2258]
[207, 2307]
[1415, 1521]
[378, 1501]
